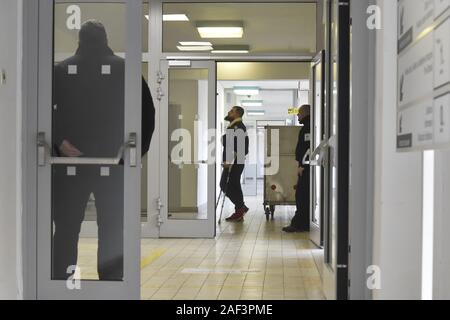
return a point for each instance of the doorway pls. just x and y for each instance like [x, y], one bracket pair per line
[167, 208]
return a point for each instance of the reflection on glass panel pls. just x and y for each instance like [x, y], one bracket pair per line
[188, 153]
[254, 23]
[88, 123]
[317, 139]
[144, 171]
[333, 151]
[69, 16]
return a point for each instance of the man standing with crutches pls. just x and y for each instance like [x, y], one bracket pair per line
[235, 148]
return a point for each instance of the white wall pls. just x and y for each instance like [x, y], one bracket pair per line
[361, 150]
[441, 276]
[10, 155]
[398, 180]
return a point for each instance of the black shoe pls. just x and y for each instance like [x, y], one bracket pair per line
[291, 229]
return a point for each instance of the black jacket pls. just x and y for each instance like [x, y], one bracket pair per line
[304, 141]
[237, 131]
[89, 98]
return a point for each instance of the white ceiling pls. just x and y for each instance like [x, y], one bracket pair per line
[268, 27]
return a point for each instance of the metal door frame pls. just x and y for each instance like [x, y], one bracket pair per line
[171, 228]
[129, 288]
[344, 150]
[335, 278]
[316, 231]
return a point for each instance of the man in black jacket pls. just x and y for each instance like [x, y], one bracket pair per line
[88, 121]
[300, 222]
[235, 148]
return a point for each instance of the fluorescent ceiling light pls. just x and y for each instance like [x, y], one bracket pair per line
[220, 32]
[175, 17]
[220, 29]
[231, 49]
[246, 91]
[256, 113]
[195, 43]
[252, 103]
[194, 48]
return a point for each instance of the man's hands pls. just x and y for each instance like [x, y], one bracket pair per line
[69, 150]
[226, 165]
[300, 171]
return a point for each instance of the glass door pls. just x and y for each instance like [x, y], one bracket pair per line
[318, 138]
[88, 140]
[188, 139]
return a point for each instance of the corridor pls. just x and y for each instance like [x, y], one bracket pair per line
[250, 261]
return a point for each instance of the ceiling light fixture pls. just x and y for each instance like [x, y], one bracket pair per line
[220, 29]
[175, 17]
[194, 48]
[195, 43]
[246, 91]
[252, 103]
[231, 49]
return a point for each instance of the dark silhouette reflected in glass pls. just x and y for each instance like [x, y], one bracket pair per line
[88, 121]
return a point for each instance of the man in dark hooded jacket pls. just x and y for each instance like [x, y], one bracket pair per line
[300, 222]
[88, 121]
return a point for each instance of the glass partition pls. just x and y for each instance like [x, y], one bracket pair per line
[188, 150]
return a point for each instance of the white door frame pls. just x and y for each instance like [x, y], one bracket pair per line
[29, 122]
[172, 228]
[317, 148]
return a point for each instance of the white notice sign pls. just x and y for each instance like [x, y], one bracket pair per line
[423, 101]
[442, 54]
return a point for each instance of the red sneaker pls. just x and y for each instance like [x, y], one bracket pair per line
[234, 217]
[240, 213]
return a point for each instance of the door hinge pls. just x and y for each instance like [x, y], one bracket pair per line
[160, 77]
[349, 283]
[159, 204]
[159, 93]
[349, 249]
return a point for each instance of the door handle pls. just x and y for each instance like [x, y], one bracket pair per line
[132, 147]
[318, 155]
[304, 161]
[182, 162]
[44, 154]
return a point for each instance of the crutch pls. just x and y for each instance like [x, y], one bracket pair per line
[224, 192]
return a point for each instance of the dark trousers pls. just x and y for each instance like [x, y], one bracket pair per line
[301, 218]
[70, 196]
[234, 190]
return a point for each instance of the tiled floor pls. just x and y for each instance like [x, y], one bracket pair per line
[253, 260]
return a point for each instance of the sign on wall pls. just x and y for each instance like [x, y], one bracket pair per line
[423, 102]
